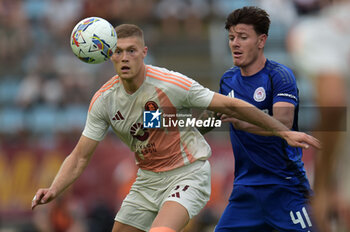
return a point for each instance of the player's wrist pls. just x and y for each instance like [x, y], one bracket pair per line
[53, 191]
[281, 134]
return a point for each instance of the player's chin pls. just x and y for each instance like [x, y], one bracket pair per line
[125, 75]
[237, 62]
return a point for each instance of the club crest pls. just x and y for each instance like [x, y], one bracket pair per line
[151, 106]
[259, 94]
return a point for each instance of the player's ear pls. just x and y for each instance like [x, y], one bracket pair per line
[262, 40]
[145, 50]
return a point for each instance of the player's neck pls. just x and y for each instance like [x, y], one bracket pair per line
[254, 68]
[133, 84]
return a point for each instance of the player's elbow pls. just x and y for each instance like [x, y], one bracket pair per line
[287, 122]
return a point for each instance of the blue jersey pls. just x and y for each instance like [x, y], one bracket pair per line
[262, 160]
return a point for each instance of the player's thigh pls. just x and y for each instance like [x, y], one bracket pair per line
[287, 209]
[172, 215]
[138, 209]
[191, 189]
[243, 212]
[187, 193]
[120, 227]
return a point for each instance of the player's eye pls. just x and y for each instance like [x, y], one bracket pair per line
[243, 36]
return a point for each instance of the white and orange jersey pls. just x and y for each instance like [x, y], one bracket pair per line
[156, 149]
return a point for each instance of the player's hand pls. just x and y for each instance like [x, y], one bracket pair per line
[226, 118]
[300, 139]
[43, 196]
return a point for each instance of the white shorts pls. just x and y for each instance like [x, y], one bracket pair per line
[188, 185]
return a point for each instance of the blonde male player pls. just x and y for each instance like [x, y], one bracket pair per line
[173, 180]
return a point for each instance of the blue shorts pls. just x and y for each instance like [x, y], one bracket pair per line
[266, 208]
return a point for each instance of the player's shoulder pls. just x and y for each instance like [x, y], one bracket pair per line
[160, 76]
[275, 66]
[233, 70]
[230, 73]
[106, 89]
[280, 71]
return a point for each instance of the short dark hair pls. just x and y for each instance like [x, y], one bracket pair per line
[250, 15]
[129, 30]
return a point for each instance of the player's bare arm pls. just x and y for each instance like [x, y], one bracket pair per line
[70, 170]
[205, 115]
[282, 111]
[244, 111]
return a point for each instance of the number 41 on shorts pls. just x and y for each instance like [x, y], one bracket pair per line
[299, 219]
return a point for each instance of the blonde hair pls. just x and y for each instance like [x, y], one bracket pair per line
[129, 30]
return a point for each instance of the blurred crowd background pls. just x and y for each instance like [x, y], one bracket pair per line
[45, 92]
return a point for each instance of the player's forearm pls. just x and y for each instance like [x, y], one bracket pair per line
[261, 120]
[205, 115]
[248, 127]
[246, 112]
[70, 170]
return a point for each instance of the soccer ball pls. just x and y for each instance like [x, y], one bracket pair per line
[93, 40]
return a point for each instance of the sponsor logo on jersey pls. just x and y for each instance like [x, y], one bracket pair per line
[137, 131]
